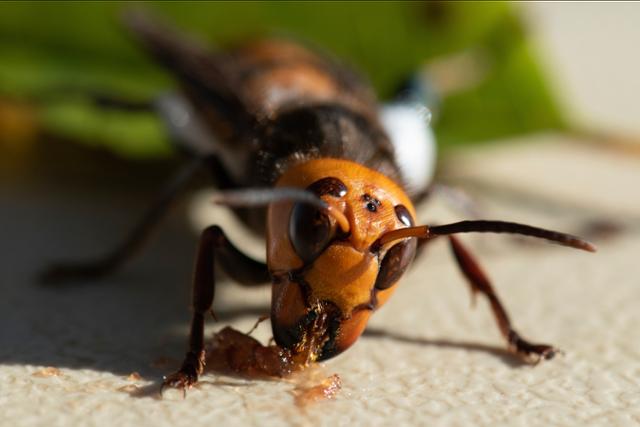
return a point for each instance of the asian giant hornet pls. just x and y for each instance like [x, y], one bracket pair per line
[299, 147]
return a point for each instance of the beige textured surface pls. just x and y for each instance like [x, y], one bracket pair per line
[428, 359]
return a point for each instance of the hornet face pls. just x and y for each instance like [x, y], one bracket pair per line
[329, 271]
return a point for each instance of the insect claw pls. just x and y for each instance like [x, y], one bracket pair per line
[181, 383]
[530, 353]
[182, 379]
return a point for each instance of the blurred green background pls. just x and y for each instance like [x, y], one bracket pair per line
[477, 53]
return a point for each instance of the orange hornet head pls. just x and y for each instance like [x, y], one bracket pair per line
[329, 271]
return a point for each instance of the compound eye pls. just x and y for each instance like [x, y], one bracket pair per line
[395, 262]
[403, 215]
[309, 231]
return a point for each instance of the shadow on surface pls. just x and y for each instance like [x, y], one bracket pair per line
[501, 353]
[71, 204]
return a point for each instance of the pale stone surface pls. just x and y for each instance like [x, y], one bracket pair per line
[428, 358]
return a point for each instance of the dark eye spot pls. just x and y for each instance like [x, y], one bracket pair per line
[372, 204]
[395, 262]
[403, 215]
[330, 185]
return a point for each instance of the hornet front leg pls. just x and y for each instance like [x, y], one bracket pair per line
[213, 247]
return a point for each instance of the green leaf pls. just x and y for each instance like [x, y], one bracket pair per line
[51, 52]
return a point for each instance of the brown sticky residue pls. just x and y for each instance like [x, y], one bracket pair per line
[327, 389]
[47, 372]
[129, 388]
[132, 389]
[134, 376]
[235, 351]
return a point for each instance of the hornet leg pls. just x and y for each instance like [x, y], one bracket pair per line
[112, 260]
[480, 283]
[213, 247]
